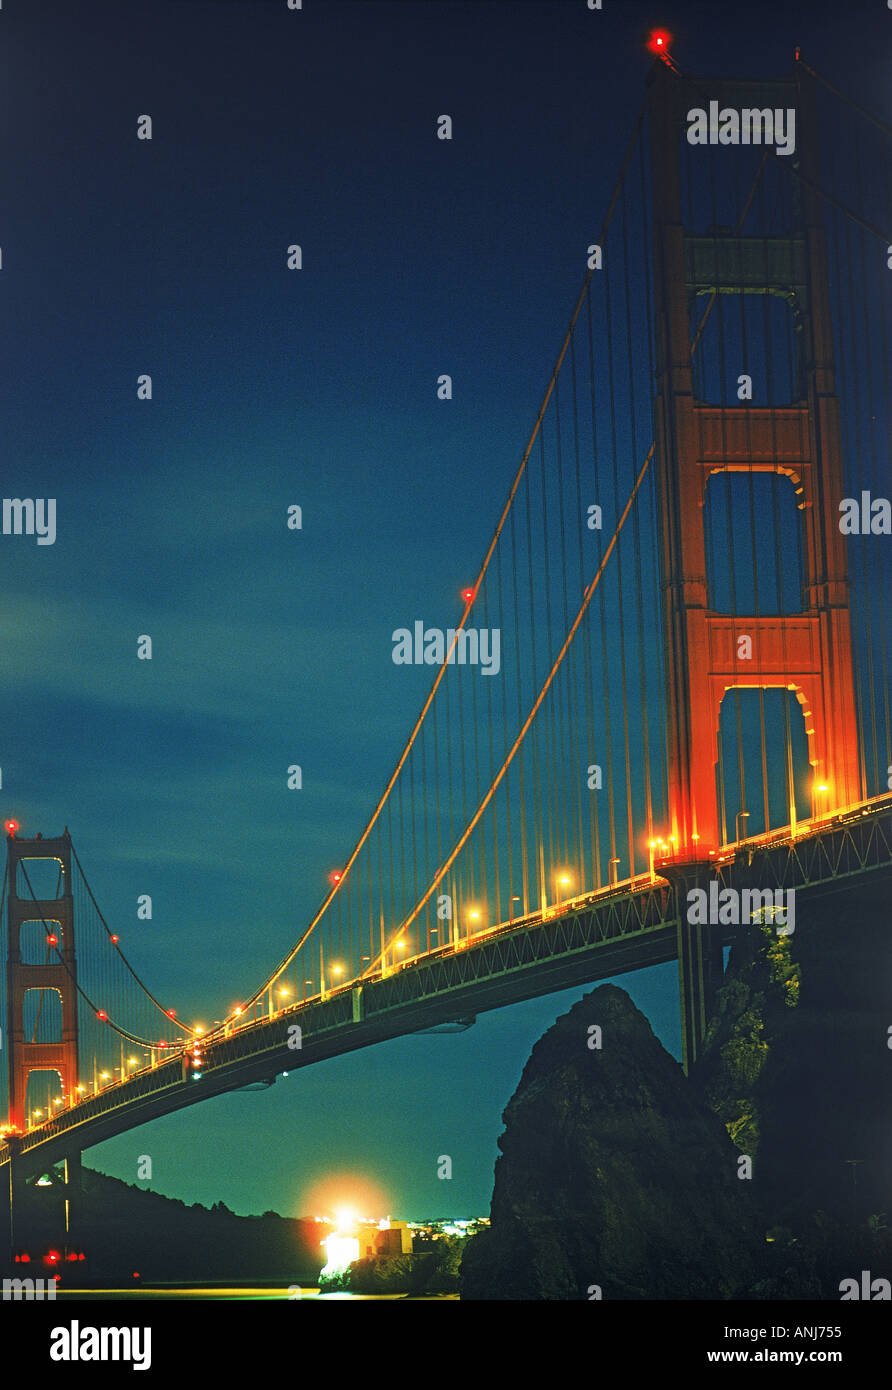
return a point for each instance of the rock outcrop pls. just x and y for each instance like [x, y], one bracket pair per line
[615, 1179]
[765, 1174]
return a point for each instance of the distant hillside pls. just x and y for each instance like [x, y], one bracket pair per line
[123, 1228]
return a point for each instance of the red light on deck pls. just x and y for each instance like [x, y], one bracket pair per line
[658, 41]
[12, 827]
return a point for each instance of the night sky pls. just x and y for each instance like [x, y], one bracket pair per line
[273, 388]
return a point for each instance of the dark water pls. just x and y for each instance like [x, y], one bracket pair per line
[212, 1293]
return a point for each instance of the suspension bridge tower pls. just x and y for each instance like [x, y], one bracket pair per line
[808, 652]
[58, 972]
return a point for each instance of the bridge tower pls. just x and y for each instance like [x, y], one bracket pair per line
[59, 975]
[809, 652]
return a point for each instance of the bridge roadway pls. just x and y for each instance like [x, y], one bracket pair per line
[589, 939]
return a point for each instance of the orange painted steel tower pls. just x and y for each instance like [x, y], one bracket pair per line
[809, 652]
[58, 975]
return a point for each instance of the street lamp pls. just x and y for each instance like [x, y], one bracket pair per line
[741, 815]
[820, 798]
[563, 881]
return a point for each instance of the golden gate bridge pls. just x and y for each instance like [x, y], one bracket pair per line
[693, 676]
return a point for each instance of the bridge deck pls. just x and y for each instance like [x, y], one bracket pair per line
[589, 939]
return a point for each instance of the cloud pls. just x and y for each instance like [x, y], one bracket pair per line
[224, 667]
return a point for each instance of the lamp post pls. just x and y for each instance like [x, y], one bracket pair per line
[741, 815]
[561, 881]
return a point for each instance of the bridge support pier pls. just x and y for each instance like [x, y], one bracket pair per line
[22, 1223]
[71, 1165]
[700, 961]
[700, 973]
[10, 1207]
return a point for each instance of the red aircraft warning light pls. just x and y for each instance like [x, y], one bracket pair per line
[12, 827]
[658, 41]
[100, 1013]
[467, 595]
[335, 876]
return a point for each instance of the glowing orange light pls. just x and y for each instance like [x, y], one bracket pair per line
[343, 1194]
[335, 876]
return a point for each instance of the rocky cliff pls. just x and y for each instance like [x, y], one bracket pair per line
[765, 1174]
[615, 1177]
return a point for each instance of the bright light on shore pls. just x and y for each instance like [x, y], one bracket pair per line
[341, 1252]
